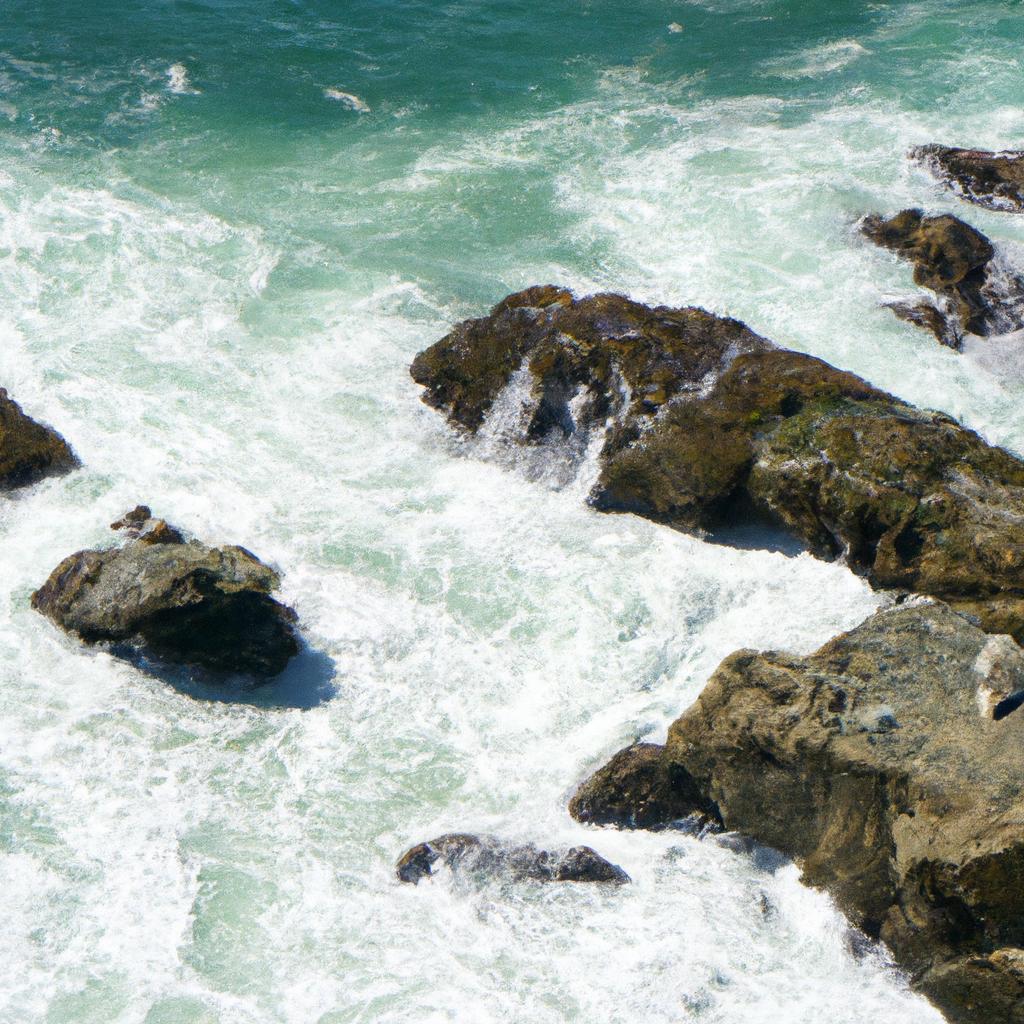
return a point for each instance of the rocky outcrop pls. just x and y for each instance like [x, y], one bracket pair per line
[992, 180]
[976, 295]
[702, 423]
[29, 450]
[177, 599]
[488, 857]
[878, 764]
[639, 788]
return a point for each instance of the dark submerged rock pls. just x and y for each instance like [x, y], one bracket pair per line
[992, 180]
[181, 601]
[486, 856]
[29, 450]
[703, 423]
[876, 762]
[956, 262]
[638, 788]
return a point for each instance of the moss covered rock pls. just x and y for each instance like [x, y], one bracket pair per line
[29, 450]
[701, 423]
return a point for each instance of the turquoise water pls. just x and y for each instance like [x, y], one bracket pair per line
[225, 229]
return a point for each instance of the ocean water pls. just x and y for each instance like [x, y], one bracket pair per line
[226, 227]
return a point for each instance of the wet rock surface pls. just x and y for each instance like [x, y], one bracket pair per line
[977, 295]
[29, 450]
[638, 788]
[877, 763]
[992, 180]
[177, 599]
[487, 857]
[703, 424]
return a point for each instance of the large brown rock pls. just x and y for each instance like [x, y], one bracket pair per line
[29, 450]
[955, 261]
[488, 857]
[177, 599]
[876, 762]
[992, 180]
[702, 423]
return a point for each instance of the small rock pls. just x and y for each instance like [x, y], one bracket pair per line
[957, 262]
[180, 600]
[133, 520]
[488, 857]
[639, 788]
[992, 180]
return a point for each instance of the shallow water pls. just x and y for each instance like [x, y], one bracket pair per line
[225, 229]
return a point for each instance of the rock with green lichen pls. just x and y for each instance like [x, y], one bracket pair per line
[702, 423]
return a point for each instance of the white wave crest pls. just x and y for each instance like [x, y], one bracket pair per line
[178, 81]
[350, 100]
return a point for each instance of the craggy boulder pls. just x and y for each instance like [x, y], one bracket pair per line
[992, 180]
[29, 450]
[700, 424]
[177, 599]
[638, 788]
[486, 857]
[976, 294]
[877, 763]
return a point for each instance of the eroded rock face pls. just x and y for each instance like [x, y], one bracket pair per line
[976, 295]
[702, 423]
[488, 857]
[876, 762]
[638, 788]
[29, 450]
[179, 599]
[992, 180]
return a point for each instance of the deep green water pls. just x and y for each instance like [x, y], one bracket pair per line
[225, 229]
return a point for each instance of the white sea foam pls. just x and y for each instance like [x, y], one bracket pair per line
[816, 62]
[349, 99]
[178, 81]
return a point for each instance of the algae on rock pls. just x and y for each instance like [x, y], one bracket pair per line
[703, 423]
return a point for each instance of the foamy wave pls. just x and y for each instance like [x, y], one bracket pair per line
[822, 60]
[349, 99]
[178, 81]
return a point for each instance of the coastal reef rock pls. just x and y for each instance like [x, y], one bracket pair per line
[177, 599]
[29, 450]
[976, 293]
[877, 763]
[992, 180]
[638, 788]
[488, 857]
[703, 424]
